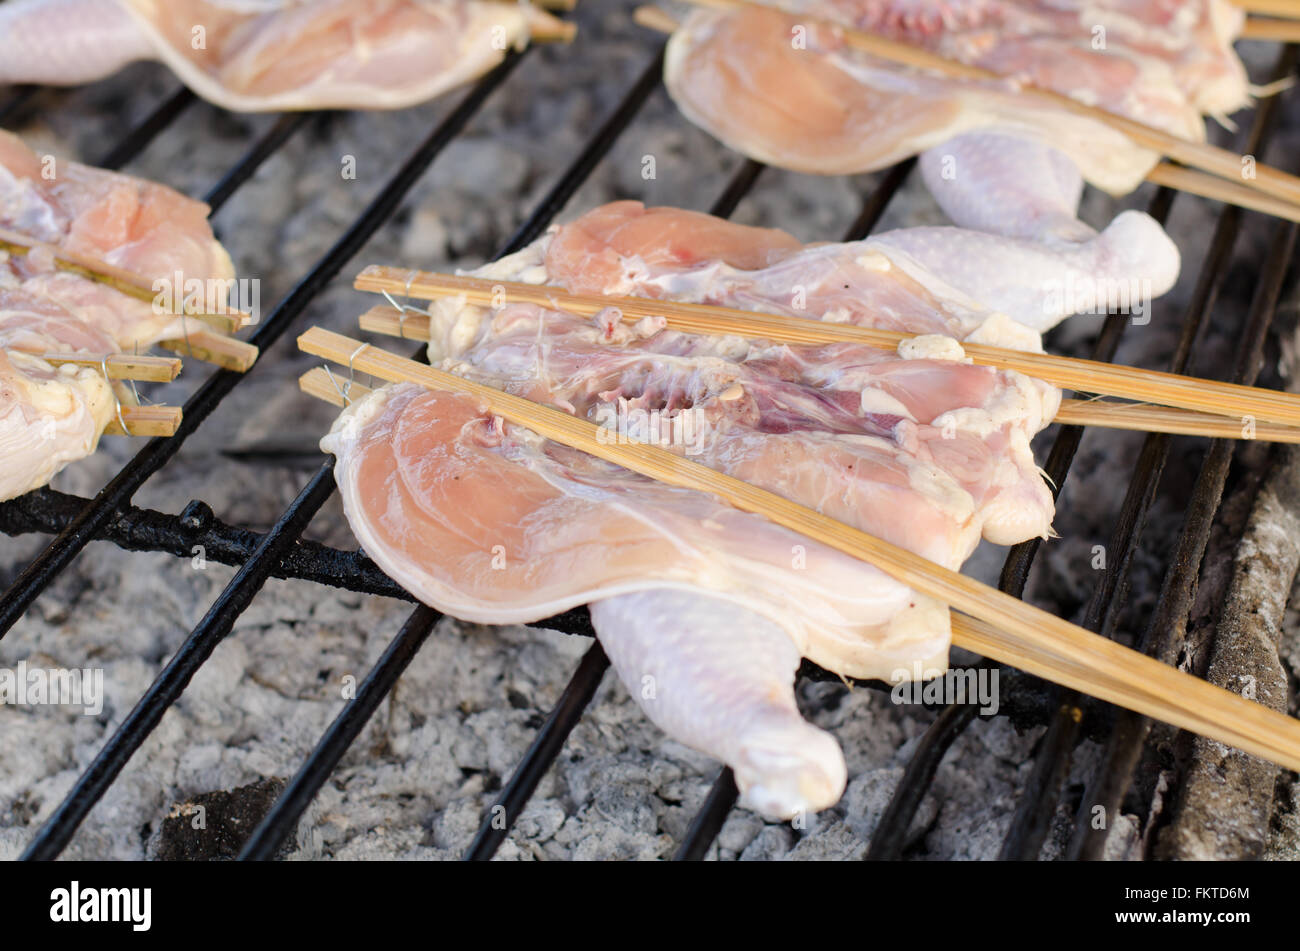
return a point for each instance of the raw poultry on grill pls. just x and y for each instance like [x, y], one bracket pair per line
[704, 610]
[50, 415]
[260, 55]
[783, 87]
[922, 280]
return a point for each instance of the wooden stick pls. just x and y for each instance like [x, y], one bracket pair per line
[121, 366]
[331, 387]
[1277, 8]
[1141, 417]
[1012, 630]
[226, 352]
[1281, 31]
[655, 18]
[544, 28]
[1085, 376]
[122, 281]
[146, 421]
[1220, 189]
[1200, 155]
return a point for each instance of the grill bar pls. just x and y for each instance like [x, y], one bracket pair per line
[164, 691]
[20, 97]
[138, 139]
[219, 620]
[889, 838]
[1161, 638]
[92, 520]
[266, 146]
[307, 783]
[543, 751]
[279, 823]
[723, 795]
[1038, 803]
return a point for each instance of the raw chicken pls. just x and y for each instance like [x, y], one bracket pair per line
[49, 415]
[260, 55]
[126, 222]
[951, 281]
[704, 610]
[791, 94]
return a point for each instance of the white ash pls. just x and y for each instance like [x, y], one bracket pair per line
[432, 759]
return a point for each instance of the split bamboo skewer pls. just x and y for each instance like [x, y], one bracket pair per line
[1276, 8]
[324, 385]
[1085, 376]
[121, 366]
[126, 282]
[545, 28]
[226, 352]
[1205, 185]
[1146, 418]
[146, 421]
[1280, 31]
[1200, 155]
[1006, 627]
[1140, 417]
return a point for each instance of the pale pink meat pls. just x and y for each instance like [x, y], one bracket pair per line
[789, 92]
[50, 416]
[259, 55]
[704, 611]
[918, 280]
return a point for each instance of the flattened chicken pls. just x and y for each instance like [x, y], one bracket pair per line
[703, 610]
[791, 94]
[261, 55]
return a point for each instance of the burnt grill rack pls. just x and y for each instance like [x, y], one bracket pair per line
[281, 552]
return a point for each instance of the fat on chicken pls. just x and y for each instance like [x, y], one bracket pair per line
[262, 55]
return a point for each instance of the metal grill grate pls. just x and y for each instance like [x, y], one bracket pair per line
[282, 553]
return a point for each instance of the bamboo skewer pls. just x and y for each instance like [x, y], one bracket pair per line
[324, 385]
[1085, 376]
[1145, 418]
[145, 421]
[226, 352]
[1279, 31]
[1141, 417]
[545, 28]
[123, 281]
[1209, 186]
[1006, 628]
[121, 366]
[1202, 155]
[1276, 8]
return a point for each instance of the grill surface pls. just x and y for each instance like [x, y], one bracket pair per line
[281, 552]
